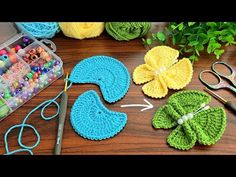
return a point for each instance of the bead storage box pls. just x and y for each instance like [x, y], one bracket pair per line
[27, 66]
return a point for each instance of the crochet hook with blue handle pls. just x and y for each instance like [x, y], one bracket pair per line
[62, 117]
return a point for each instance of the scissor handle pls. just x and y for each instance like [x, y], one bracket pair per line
[221, 83]
[230, 77]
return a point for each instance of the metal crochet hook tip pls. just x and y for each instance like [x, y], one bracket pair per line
[215, 95]
[66, 82]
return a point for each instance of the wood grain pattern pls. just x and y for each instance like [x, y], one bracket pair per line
[138, 137]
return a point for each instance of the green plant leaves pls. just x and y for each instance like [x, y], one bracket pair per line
[181, 26]
[161, 36]
[211, 24]
[218, 53]
[191, 23]
[194, 37]
[212, 46]
[149, 41]
[193, 58]
[193, 43]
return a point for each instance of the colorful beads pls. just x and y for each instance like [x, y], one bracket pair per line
[35, 53]
[22, 43]
[5, 62]
[25, 70]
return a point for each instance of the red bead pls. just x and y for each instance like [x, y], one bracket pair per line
[2, 52]
[35, 76]
[32, 52]
[17, 47]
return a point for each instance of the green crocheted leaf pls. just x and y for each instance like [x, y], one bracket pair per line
[189, 100]
[209, 125]
[165, 117]
[183, 137]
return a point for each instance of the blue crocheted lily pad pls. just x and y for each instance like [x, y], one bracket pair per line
[108, 73]
[92, 120]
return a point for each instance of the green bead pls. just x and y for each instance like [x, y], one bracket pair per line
[46, 65]
[50, 63]
[2, 64]
[30, 75]
[7, 95]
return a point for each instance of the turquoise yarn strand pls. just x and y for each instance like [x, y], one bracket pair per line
[23, 125]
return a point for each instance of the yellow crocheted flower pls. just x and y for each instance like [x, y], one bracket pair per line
[162, 71]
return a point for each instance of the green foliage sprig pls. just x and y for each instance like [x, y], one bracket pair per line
[194, 37]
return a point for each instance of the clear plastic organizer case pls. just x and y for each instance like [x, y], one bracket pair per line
[27, 66]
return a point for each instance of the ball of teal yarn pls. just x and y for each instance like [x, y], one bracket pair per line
[4, 109]
[39, 29]
[125, 31]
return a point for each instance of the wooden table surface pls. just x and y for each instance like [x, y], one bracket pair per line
[138, 136]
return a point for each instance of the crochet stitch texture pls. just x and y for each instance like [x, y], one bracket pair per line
[82, 30]
[161, 71]
[205, 127]
[39, 29]
[92, 120]
[108, 73]
[126, 31]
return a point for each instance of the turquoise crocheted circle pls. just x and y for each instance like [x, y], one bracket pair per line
[92, 120]
[109, 74]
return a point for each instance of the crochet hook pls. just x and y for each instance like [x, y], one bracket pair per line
[228, 104]
[62, 117]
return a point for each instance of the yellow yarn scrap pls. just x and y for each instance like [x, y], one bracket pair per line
[81, 30]
[162, 70]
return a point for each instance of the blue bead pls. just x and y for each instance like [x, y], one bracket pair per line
[13, 94]
[4, 57]
[35, 68]
[1, 71]
[45, 70]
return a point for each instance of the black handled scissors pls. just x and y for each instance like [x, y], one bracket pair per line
[221, 83]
